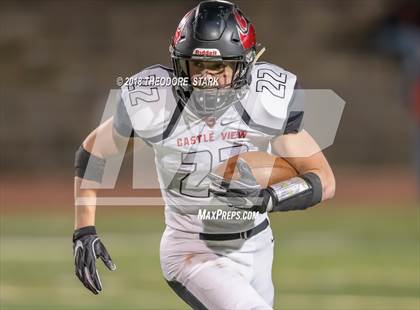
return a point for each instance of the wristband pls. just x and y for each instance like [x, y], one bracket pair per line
[298, 193]
[84, 231]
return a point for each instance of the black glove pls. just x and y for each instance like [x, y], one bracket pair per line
[244, 193]
[87, 248]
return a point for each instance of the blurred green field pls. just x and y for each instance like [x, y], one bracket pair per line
[336, 257]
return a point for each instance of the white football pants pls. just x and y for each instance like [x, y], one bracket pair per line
[219, 275]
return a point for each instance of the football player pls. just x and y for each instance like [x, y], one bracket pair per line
[230, 104]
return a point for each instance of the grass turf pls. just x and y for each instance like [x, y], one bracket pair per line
[334, 258]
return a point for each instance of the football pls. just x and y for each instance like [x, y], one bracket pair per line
[267, 169]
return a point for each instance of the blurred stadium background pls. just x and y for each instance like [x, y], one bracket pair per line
[60, 58]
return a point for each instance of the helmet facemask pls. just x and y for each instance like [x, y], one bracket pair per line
[213, 85]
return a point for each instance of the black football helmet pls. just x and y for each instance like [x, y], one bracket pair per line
[215, 31]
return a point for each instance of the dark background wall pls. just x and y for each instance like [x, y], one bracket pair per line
[59, 59]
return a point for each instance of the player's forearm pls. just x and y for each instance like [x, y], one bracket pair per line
[315, 183]
[89, 165]
[300, 145]
[85, 205]
[328, 184]
[84, 216]
[90, 160]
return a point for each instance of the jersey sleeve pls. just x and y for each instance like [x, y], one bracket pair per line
[274, 105]
[146, 108]
[295, 111]
[122, 122]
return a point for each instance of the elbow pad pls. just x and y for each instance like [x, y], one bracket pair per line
[94, 171]
[298, 193]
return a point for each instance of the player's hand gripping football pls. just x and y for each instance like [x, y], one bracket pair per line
[87, 248]
[244, 193]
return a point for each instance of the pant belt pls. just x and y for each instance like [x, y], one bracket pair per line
[240, 235]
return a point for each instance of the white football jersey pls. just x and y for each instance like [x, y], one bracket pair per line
[188, 147]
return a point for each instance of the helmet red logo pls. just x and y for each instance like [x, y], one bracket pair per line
[241, 21]
[246, 31]
[178, 32]
[248, 39]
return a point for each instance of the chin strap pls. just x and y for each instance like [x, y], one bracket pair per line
[259, 54]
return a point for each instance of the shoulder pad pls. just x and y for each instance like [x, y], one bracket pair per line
[149, 106]
[268, 101]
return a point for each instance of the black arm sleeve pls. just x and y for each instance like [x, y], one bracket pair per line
[94, 171]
